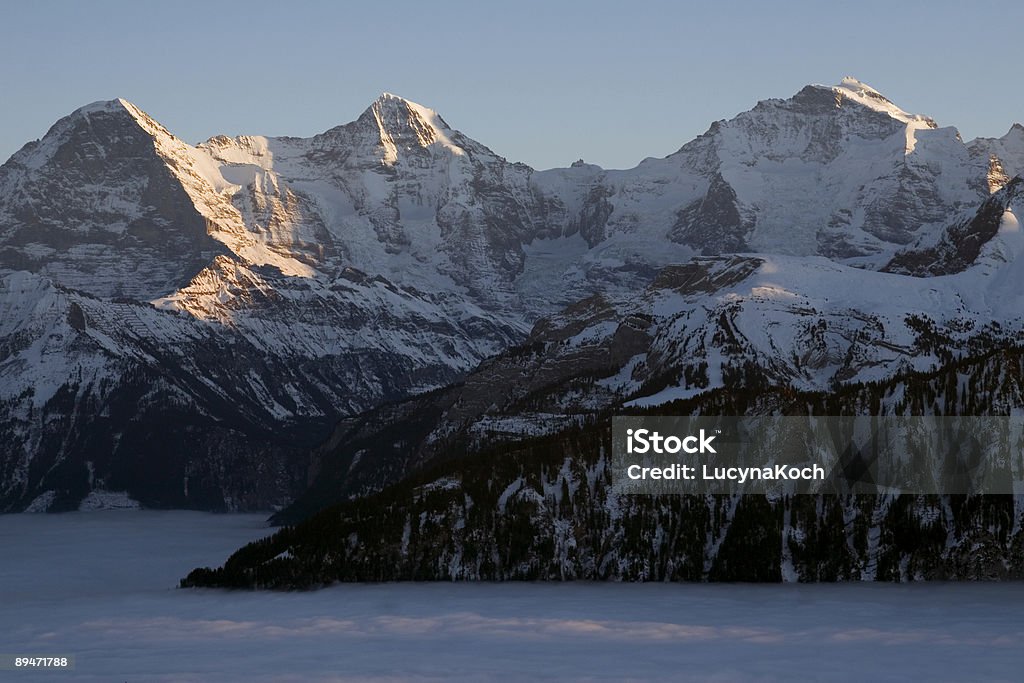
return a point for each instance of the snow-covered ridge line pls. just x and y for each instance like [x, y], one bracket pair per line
[251, 281]
[867, 96]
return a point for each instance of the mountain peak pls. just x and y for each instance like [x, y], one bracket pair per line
[391, 108]
[104, 122]
[858, 91]
[402, 124]
[120, 107]
[114, 105]
[387, 98]
[858, 86]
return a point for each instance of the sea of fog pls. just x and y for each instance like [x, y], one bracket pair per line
[101, 586]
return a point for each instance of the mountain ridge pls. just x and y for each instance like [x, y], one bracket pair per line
[393, 255]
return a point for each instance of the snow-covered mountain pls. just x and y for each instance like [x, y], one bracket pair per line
[837, 171]
[507, 475]
[741, 323]
[138, 244]
[256, 285]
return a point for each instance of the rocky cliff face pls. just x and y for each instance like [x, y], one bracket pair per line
[1005, 153]
[254, 285]
[187, 412]
[957, 247]
[94, 206]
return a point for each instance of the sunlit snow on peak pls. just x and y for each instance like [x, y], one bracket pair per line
[403, 122]
[862, 93]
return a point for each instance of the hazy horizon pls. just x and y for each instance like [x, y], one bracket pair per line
[537, 83]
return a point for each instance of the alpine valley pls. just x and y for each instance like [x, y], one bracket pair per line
[411, 347]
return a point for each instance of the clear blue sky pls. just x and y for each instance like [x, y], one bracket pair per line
[540, 82]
